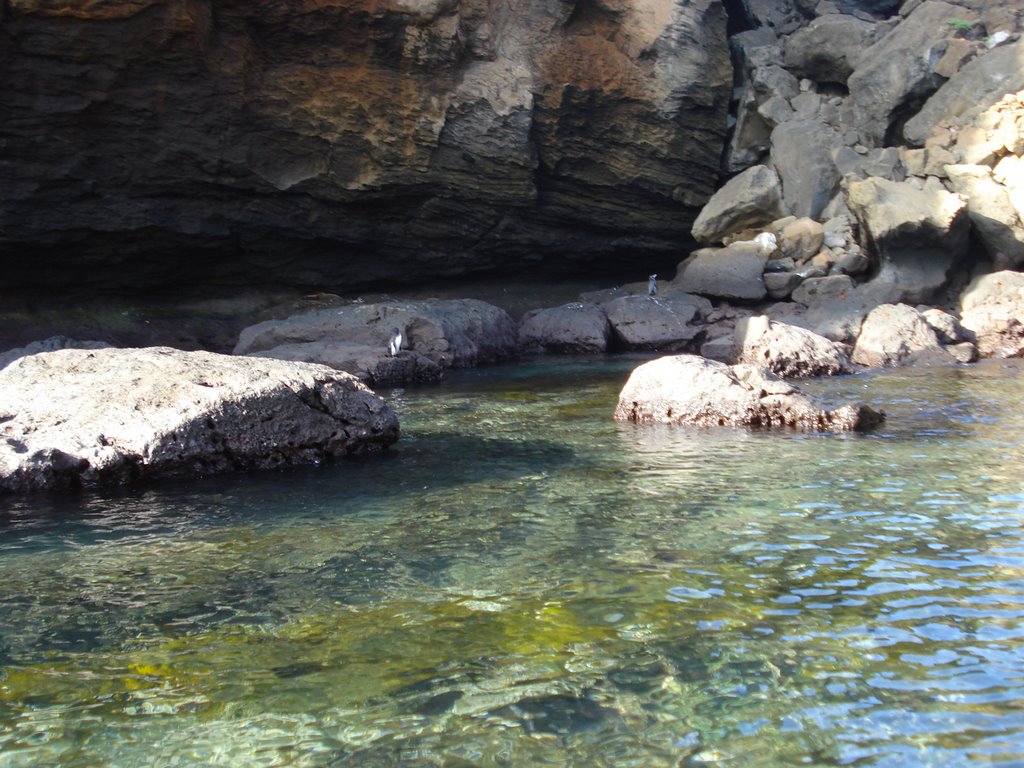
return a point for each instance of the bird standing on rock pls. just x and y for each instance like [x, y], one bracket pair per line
[395, 345]
[652, 285]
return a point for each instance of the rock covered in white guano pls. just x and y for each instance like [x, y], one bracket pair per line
[47, 345]
[687, 389]
[896, 334]
[578, 327]
[992, 307]
[75, 418]
[787, 350]
[454, 333]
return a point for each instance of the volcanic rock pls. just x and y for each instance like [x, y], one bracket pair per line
[75, 418]
[686, 389]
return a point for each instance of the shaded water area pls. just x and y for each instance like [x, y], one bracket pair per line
[523, 582]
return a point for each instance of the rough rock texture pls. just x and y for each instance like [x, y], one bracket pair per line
[108, 416]
[733, 272]
[457, 333]
[47, 345]
[899, 71]
[980, 83]
[915, 235]
[802, 154]
[992, 307]
[892, 335]
[340, 141]
[570, 329]
[654, 322]
[686, 389]
[751, 199]
[367, 363]
[827, 49]
[788, 351]
[991, 210]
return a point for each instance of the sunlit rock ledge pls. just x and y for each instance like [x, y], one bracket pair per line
[74, 418]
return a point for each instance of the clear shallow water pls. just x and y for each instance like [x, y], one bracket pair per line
[524, 582]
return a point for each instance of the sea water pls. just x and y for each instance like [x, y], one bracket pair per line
[521, 581]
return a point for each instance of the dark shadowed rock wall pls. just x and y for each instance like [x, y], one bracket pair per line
[332, 142]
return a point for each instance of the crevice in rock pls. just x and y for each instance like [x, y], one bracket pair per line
[737, 18]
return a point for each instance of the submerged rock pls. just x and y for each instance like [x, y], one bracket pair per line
[75, 418]
[687, 389]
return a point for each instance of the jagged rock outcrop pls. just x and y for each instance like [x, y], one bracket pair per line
[75, 418]
[686, 389]
[173, 141]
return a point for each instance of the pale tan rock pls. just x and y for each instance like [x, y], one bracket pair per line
[692, 390]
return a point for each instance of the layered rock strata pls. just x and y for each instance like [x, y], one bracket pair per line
[342, 142]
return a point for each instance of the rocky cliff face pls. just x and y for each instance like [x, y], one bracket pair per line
[331, 142]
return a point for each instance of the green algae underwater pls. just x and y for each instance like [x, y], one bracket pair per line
[524, 582]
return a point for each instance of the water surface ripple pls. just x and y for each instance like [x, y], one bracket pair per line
[523, 582]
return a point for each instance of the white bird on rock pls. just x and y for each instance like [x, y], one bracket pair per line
[652, 285]
[767, 243]
[395, 345]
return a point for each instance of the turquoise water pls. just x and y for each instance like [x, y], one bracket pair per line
[524, 582]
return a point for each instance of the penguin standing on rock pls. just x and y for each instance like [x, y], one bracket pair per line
[652, 285]
[395, 344]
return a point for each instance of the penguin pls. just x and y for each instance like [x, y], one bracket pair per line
[395, 344]
[652, 285]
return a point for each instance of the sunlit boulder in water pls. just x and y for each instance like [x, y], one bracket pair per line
[688, 389]
[74, 418]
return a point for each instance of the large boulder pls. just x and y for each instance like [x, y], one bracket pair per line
[979, 84]
[75, 418]
[992, 307]
[893, 335]
[832, 306]
[750, 199]
[899, 70]
[991, 210]
[827, 49]
[787, 350]
[687, 389]
[457, 333]
[802, 155]
[345, 142]
[667, 323]
[733, 272]
[569, 329]
[916, 235]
